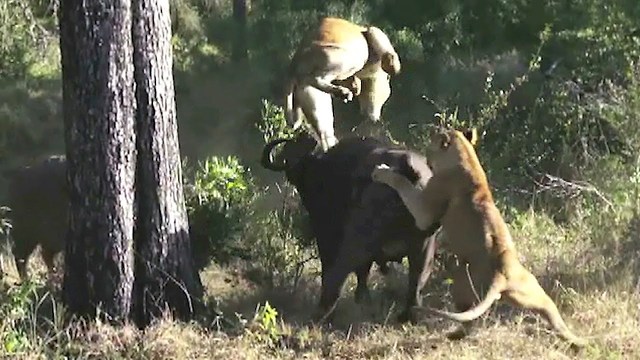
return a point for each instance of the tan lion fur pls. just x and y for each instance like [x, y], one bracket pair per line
[332, 59]
[459, 198]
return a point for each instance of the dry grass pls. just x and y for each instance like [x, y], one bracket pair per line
[598, 295]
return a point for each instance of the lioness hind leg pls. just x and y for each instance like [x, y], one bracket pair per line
[318, 109]
[379, 41]
[528, 294]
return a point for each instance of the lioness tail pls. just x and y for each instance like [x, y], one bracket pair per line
[497, 287]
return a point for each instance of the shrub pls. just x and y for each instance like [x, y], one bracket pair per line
[219, 200]
[281, 242]
[273, 123]
[32, 321]
[280, 237]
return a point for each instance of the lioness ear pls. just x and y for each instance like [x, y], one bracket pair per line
[471, 135]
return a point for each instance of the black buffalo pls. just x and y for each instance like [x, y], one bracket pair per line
[356, 221]
[38, 200]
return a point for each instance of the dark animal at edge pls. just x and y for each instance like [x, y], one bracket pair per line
[38, 200]
[356, 221]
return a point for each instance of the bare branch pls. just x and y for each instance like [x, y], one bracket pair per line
[565, 188]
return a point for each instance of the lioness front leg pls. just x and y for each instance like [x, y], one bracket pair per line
[352, 83]
[411, 196]
[325, 83]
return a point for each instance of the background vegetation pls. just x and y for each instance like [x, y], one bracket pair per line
[554, 85]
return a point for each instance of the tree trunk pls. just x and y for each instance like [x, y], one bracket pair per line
[165, 274]
[240, 13]
[98, 108]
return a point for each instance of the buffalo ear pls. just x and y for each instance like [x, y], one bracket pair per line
[471, 135]
[443, 140]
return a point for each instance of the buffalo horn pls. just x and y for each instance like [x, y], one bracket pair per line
[267, 156]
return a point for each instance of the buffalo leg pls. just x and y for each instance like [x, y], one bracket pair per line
[22, 266]
[21, 252]
[383, 267]
[362, 290]
[351, 256]
[49, 260]
[421, 259]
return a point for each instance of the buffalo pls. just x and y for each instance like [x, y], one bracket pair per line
[356, 221]
[38, 200]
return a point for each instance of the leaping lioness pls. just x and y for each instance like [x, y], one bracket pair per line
[458, 196]
[333, 59]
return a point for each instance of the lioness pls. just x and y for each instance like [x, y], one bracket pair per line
[458, 196]
[334, 59]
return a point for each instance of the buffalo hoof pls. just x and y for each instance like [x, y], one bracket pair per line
[323, 315]
[459, 333]
[406, 316]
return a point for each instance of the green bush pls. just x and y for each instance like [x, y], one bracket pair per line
[281, 241]
[32, 321]
[219, 203]
[280, 235]
[15, 310]
[18, 39]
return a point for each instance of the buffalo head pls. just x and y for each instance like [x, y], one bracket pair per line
[290, 157]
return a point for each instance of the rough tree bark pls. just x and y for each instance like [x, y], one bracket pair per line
[99, 100]
[240, 14]
[165, 274]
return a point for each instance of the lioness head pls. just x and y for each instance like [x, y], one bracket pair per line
[451, 148]
[374, 94]
[390, 63]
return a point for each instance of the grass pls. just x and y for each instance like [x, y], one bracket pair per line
[594, 282]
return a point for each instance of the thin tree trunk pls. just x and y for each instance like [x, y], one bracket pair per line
[98, 107]
[240, 14]
[165, 274]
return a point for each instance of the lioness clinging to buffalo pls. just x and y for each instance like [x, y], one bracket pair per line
[459, 198]
[343, 59]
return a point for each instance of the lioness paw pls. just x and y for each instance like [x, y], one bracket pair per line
[345, 94]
